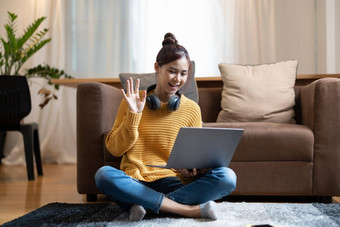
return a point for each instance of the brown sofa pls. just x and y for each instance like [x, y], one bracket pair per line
[272, 159]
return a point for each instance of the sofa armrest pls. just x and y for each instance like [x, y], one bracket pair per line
[97, 106]
[320, 110]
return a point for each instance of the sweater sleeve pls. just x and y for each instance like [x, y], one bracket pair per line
[196, 116]
[124, 132]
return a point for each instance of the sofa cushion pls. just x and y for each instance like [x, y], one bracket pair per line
[266, 141]
[258, 93]
[148, 79]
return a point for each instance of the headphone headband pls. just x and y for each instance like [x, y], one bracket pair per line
[151, 88]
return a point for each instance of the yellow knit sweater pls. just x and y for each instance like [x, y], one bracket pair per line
[147, 137]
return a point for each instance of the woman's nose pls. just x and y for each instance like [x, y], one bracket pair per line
[178, 77]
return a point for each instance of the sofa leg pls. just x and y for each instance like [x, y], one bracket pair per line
[91, 197]
[324, 199]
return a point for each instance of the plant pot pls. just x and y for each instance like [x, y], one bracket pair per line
[15, 104]
[15, 101]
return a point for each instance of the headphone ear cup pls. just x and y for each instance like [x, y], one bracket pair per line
[153, 102]
[174, 103]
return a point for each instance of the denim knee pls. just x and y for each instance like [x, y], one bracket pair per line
[102, 175]
[227, 178]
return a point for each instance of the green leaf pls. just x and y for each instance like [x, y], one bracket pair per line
[10, 31]
[12, 16]
[48, 73]
[34, 49]
[30, 30]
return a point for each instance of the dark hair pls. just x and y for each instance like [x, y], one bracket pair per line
[171, 50]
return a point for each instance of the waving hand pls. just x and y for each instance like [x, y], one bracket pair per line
[136, 103]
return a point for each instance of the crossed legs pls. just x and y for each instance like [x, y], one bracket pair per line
[191, 200]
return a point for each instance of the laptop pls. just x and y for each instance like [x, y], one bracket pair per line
[203, 148]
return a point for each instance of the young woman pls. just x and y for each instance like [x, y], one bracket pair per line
[143, 134]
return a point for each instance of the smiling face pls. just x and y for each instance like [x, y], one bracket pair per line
[170, 78]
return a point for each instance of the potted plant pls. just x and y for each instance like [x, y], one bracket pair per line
[16, 50]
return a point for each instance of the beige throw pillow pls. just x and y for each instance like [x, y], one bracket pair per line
[258, 93]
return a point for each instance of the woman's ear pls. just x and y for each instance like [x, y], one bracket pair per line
[156, 66]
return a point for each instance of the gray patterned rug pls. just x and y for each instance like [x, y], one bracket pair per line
[229, 214]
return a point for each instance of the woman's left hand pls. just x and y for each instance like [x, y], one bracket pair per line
[187, 172]
[192, 172]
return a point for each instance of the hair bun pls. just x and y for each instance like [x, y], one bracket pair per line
[169, 38]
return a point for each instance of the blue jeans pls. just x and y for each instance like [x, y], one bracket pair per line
[126, 191]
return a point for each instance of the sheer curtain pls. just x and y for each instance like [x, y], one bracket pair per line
[125, 36]
[250, 31]
[102, 38]
[110, 37]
